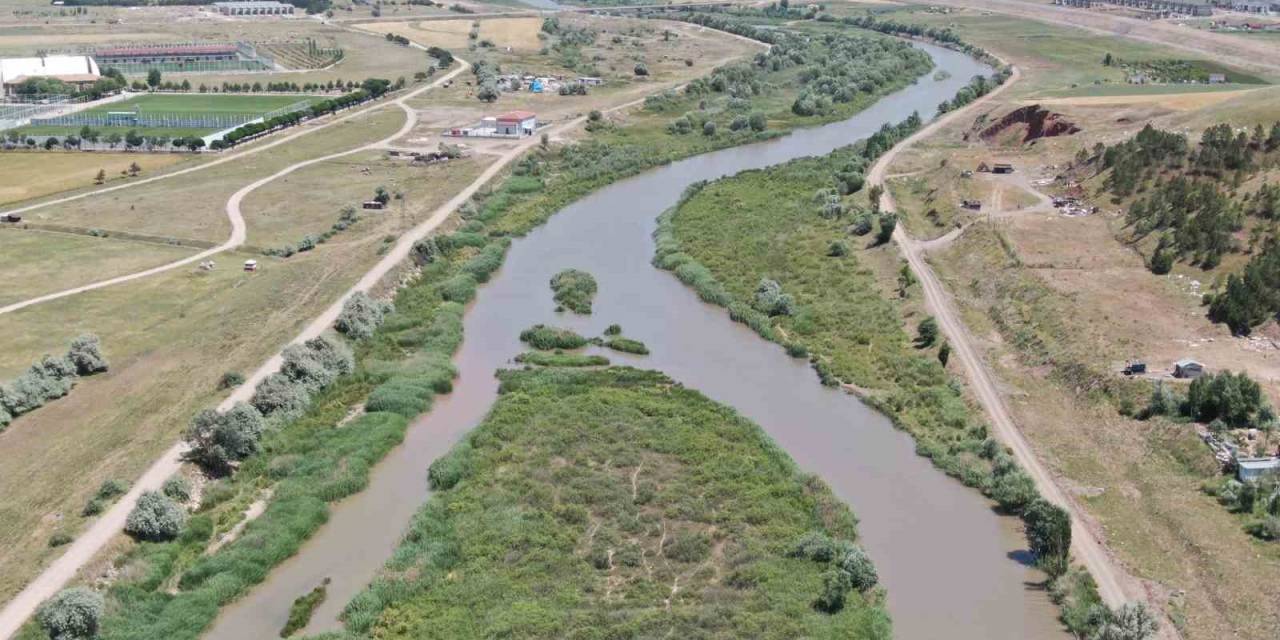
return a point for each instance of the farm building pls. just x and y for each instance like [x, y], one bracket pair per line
[1001, 167]
[1187, 368]
[75, 70]
[517, 123]
[253, 8]
[1257, 468]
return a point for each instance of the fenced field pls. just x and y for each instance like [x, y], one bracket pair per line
[16, 110]
[169, 113]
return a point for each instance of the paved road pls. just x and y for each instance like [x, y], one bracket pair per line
[1114, 584]
[237, 237]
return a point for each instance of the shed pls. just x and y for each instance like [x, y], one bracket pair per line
[11, 217]
[250, 265]
[1257, 468]
[1187, 368]
[373, 204]
[1217, 78]
[975, 205]
[1001, 167]
[517, 123]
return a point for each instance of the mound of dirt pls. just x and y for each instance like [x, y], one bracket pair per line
[1032, 122]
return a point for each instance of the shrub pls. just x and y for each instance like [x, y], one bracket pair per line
[59, 539]
[155, 518]
[278, 394]
[862, 225]
[641, 70]
[888, 222]
[1132, 621]
[361, 315]
[316, 363]
[627, 345]
[837, 249]
[219, 440]
[111, 489]
[1014, 490]
[546, 338]
[177, 488]
[574, 290]
[854, 562]
[92, 508]
[73, 614]
[771, 301]
[927, 332]
[230, 379]
[613, 330]
[86, 355]
[460, 288]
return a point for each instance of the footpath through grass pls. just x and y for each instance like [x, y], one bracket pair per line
[616, 503]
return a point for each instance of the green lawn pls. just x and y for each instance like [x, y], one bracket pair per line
[203, 103]
[585, 499]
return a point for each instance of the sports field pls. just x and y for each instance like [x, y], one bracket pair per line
[188, 111]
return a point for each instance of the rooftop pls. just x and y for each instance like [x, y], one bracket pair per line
[516, 116]
[183, 49]
[11, 69]
[1259, 464]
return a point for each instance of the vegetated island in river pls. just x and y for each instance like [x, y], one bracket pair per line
[613, 503]
[574, 290]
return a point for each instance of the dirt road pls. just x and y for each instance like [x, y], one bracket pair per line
[238, 233]
[1114, 583]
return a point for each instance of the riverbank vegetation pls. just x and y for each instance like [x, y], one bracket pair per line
[759, 243]
[614, 506]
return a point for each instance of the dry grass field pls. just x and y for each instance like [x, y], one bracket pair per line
[37, 174]
[275, 217]
[171, 336]
[521, 34]
[40, 262]
[196, 208]
[1042, 291]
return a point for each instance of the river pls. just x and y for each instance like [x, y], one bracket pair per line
[953, 568]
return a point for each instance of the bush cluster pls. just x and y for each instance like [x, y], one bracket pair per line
[361, 315]
[574, 290]
[307, 368]
[73, 614]
[156, 518]
[50, 378]
[848, 568]
[545, 338]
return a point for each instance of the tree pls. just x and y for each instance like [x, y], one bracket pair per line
[927, 332]
[1014, 490]
[944, 353]
[757, 121]
[155, 518]
[86, 355]
[219, 440]
[113, 139]
[277, 393]
[101, 177]
[134, 169]
[1048, 535]
[1107, 60]
[888, 222]
[1233, 398]
[488, 92]
[133, 140]
[381, 195]
[72, 614]
[709, 128]
[153, 78]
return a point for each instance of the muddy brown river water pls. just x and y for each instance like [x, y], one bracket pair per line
[953, 568]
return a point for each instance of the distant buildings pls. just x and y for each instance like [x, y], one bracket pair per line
[1198, 9]
[253, 8]
[516, 124]
[80, 71]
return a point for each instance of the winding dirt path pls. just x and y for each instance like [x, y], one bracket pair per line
[238, 228]
[1114, 584]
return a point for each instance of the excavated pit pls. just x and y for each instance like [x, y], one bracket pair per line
[1029, 123]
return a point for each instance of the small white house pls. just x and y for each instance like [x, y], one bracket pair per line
[250, 265]
[517, 123]
[1256, 468]
[1187, 368]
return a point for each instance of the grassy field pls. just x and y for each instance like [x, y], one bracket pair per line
[521, 34]
[41, 262]
[274, 217]
[196, 208]
[38, 174]
[634, 517]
